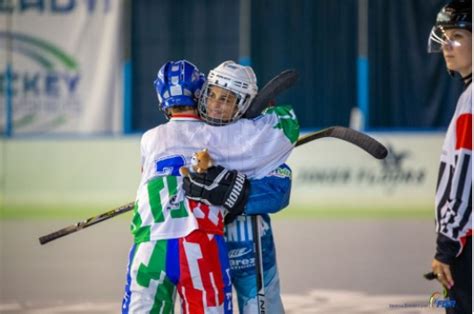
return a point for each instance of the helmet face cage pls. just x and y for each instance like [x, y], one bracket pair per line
[439, 38]
[229, 84]
[230, 105]
[178, 84]
[456, 14]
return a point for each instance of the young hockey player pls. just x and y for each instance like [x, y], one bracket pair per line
[226, 88]
[178, 241]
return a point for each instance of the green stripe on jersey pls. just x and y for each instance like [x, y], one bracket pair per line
[156, 197]
[179, 211]
[154, 189]
[156, 270]
[140, 233]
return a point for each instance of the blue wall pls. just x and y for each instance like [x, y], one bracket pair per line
[406, 87]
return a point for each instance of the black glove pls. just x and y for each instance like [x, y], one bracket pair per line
[219, 187]
[229, 218]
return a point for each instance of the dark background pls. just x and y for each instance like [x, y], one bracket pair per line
[409, 89]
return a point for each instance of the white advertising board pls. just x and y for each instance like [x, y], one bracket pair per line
[61, 66]
[333, 173]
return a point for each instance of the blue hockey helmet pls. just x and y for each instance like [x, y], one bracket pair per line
[178, 84]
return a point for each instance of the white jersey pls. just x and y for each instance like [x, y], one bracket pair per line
[253, 147]
[454, 188]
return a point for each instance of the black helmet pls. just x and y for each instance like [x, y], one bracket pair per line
[455, 14]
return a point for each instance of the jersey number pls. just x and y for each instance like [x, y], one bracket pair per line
[169, 166]
[163, 190]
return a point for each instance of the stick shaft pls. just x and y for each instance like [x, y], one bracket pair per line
[86, 223]
[257, 242]
[363, 141]
[313, 136]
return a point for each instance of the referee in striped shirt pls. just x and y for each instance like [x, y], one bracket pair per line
[452, 264]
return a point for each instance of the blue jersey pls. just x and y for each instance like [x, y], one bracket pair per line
[267, 195]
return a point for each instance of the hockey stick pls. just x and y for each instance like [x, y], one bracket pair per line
[367, 143]
[257, 243]
[285, 80]
[86, 223]
[279, 83]
[274, 87]
[430, 276]
[359, 139]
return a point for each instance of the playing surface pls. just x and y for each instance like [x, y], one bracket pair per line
[326, 266]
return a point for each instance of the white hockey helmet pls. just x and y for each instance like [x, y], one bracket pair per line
[239, 80]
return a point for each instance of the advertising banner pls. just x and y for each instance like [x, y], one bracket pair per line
[330, 173]
[61, 66]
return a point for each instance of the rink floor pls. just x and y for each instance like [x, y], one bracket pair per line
[326, 266]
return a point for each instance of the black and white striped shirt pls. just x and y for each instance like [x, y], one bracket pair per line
[454, 186]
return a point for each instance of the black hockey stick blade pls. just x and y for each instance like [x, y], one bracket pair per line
[85, 223]
[273, 88]
[365, 142]
[430, 276]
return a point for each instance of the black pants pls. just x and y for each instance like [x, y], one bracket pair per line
[462, 275]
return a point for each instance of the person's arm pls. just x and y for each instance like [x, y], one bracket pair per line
[454, 194]
[453, 218]
[271, 193]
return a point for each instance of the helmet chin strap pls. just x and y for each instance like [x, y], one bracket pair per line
[467, 79]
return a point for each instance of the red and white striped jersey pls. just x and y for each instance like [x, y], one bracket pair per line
[454, 186]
